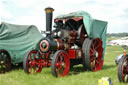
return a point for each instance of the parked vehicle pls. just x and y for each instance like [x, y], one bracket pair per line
[15, 41]
[123, 68]
[77, 39]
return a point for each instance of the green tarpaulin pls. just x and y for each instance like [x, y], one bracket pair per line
[95, 28]
[18, 40]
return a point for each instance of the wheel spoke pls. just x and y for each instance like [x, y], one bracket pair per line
[93, 47]
[30, 57]
[91, 59]
[2, 57]
[34, 67]
[62, 70]
[123, 70]
[97, 46]
[30, 69]
[57, 71]
[97, 62]
[94, 43]
[91, 55]
[91, 50]
[61, 57]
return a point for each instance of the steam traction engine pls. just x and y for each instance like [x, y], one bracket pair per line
[67, 45]
[123, 68]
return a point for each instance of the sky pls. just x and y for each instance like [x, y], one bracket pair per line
[31, 12]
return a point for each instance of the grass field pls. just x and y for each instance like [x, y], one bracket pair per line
[76, 75]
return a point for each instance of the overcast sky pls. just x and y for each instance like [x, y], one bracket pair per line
[26, 12]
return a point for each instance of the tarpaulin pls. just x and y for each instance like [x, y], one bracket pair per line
[18, 40]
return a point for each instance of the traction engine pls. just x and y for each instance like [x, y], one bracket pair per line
[65, 46]
[123, 68]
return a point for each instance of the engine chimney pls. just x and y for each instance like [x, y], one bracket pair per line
[49, 12]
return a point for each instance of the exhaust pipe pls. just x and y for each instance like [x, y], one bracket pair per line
[49, 13]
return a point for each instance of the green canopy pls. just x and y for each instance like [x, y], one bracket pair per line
[18, 40]
[94, 28]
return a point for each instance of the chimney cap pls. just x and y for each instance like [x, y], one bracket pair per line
[49, 10]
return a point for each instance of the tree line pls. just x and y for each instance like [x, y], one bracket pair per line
[117, 34]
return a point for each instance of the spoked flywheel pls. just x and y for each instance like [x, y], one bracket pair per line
[5, 61]
[93, 52]
[31, 63]
[60, 64]
[123, 69]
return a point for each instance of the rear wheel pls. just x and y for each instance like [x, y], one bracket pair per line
[123, 69]
[31, 63]
[5, 61]
[93, 52]
[60, 64]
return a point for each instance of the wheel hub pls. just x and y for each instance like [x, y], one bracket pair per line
[96, 54]
[1, 62]
[63, 64]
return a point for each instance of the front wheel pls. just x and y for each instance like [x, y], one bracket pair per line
[123, 69]
[31, 63]
[60, 64]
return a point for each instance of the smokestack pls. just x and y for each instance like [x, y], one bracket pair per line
[49, 12]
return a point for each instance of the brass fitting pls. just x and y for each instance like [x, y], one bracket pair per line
[49, 10]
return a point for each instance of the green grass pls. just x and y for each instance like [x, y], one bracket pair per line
[76, 75]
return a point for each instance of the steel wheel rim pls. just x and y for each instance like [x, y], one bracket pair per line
[5, 62]
[62, 64]
[124, 69]
[96, 53]
[33, 61]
